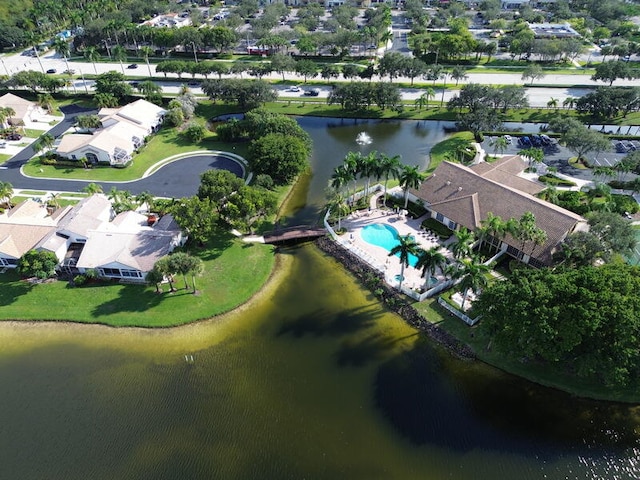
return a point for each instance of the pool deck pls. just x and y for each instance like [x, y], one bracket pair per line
[405, 225]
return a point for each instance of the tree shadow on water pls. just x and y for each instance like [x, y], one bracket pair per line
[360, 351]
[462, 406]
[322, 322]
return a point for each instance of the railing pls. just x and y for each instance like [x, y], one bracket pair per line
[466, 319]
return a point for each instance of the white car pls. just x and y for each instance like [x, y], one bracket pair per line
[508, 139]
[295, 89]
[3, 144]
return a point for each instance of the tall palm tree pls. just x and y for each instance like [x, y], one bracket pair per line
[409, 177]
[458, 73]
[6, 192]
[423, 100]
[495, 225]
[389, 168]
[368, 168]
[352, 164]
[407, 246]
[338, 205]
[462, 246]
[92, 54]
[340, 178]
[552, 103]
[119, 54]
[5, 114]
[62, 48]
[146, 52]
[428, 261]
[473, 276]
[569, 102]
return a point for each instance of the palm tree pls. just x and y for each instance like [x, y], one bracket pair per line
[368, 167]
[472, 276]
[495, 225]
[146, 52]
[145, 197]
[407, 246]
[458, 73]
[500, 144]
[92, 189]
[428, 261]
[569, 102]
[45, 101]
[552, 103]
[462, 245]
[91, 54]
[409, 177]
[340, 178]
[6, 192]
[5, 114]
[338, 205]
[119, 54]
[389, 168]
[423, 100]
[549, 194]
[166, 268]
[44, 142]
[352, 164]
[62, 48]
[54, 200]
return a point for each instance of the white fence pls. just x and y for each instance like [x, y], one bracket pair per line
[466, 319]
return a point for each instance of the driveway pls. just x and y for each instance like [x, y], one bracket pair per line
[174, 180]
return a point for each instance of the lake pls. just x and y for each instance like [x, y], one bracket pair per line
[312, 379]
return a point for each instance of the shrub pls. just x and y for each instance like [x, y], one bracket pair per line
[79, 280]
[551, 179]
[265, 181]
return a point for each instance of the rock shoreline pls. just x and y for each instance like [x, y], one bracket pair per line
[373, 280]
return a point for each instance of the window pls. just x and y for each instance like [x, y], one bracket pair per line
[131, 273]
[439, 217]
[91, 157]
[110, 272]
[452, 225]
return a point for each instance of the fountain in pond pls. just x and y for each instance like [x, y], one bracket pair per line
[363, 138]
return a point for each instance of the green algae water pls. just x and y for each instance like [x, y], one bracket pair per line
[313, 379]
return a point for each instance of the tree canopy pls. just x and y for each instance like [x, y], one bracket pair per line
[584, 320]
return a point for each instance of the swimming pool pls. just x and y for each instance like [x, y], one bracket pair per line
[385, 236]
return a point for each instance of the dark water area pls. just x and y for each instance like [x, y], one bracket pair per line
[314, 379]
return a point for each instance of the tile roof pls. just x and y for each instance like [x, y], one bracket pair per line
[465, 197]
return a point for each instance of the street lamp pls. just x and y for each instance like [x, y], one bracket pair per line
[35, 50]
[194, 51]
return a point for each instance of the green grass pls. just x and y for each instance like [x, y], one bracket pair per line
[551, 179]
[233, 272]
[441, 151]
[164, 144]
[4, 158]
[32, 192]
[479, 340]
[32, 133]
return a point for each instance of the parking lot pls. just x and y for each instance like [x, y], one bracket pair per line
[557, 156]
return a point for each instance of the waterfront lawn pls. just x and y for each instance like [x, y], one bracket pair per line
[443, 150]
[166, 143]
[480, 341]
[233, 272]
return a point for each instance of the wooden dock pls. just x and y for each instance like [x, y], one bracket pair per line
[300, 232]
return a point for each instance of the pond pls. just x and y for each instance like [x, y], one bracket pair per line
[313, 379]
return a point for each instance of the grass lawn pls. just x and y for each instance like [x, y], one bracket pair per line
[233, 272]
[32, 133]
[442, 150]
[4, 157]
[478, 339]
[164, 144]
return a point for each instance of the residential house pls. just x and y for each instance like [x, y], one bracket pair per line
[123, 132]
[23, 109]
[459, 196]
[89, 236]
[23, 227]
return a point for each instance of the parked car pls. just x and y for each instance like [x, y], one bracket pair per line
[3, 144]
[14, 136]
[132, 66]
[546, 140]
[508, 139]
[314, 92]
[52, 70]
[536, 140]
[295, 89]
[69, 72]
[620, 148]
[524, 142]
